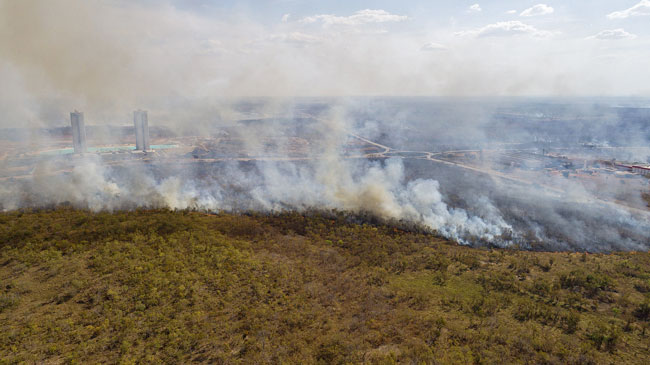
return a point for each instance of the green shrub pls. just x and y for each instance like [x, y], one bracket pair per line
[545, 266]
[569, 322]
[525, 310]
[540, 287]
[332, 351]
[437, 262]
[484, 307]
[591, 283]
[642, 312]
[470, 260]
[498, 281]
[604, 337]
[7, 301]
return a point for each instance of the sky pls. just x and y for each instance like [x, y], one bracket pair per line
[103, 55]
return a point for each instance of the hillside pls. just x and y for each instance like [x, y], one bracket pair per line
[177, 287]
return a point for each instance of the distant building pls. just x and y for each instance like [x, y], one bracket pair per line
[78, 132]
[141, 126]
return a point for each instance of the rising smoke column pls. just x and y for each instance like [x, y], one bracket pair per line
[102, 58]
[325, 181]
[328, 179]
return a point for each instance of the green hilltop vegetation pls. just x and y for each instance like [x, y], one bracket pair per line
[156, 286]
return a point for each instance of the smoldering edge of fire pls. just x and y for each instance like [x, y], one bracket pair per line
[512, 215]
[102, 58]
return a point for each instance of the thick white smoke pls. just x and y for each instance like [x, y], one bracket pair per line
[373, 188]
[185, 67]
[326, 181]
[461, 207]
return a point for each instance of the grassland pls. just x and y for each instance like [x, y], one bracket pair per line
[176, 287]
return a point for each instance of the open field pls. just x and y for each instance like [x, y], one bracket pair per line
[171, 287]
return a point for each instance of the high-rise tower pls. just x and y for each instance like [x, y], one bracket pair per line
[78, 132]
[141, 126]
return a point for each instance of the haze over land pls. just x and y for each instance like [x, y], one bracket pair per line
[327, 182]
[183, 58]
[464, 146]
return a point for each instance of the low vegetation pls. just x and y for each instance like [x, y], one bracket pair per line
[175, 287]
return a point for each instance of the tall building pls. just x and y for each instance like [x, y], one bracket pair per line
[141, 126]
[78, 132]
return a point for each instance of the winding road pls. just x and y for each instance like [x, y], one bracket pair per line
[383, 153]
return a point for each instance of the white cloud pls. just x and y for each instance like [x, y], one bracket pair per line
[360, 17]
[608, 34]
[537, 10]
[509, 28]
[434, 47]
[295, 38]
[511, 12]
[285, 18]
[475, 8]
[642, 8]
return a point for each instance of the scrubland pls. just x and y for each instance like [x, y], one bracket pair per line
[156, 286]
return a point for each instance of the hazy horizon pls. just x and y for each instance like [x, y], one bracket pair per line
[115, 56]
[336, 97]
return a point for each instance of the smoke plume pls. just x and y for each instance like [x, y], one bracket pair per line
[193, 72]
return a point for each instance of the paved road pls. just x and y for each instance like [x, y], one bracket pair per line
[385, 152]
